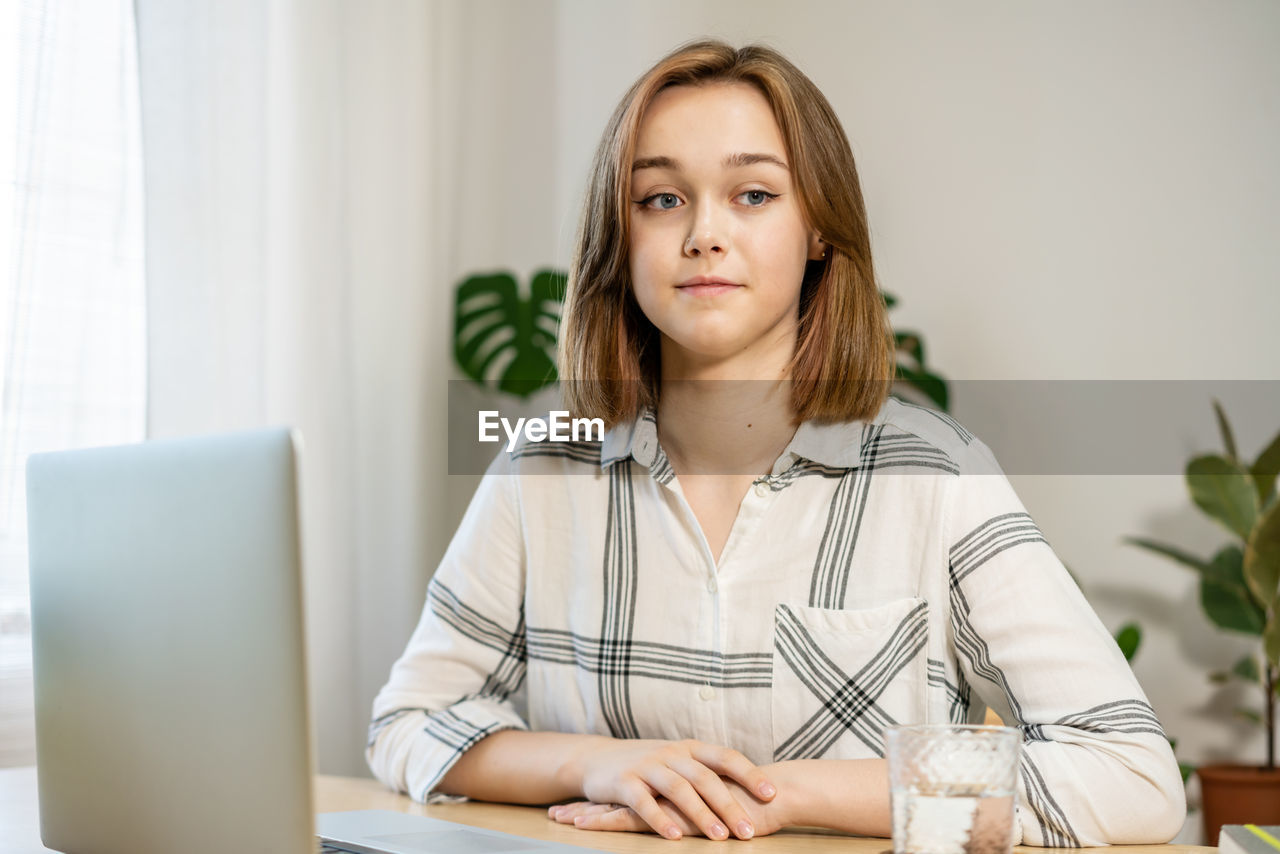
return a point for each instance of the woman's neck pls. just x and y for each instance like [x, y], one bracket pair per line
[725, 426]
[711, 421]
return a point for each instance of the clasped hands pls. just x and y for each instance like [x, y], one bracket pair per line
[672, 788]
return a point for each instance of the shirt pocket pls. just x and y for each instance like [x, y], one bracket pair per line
[842, 677]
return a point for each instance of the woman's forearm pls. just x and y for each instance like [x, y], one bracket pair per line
[851, 795]
[518, 767]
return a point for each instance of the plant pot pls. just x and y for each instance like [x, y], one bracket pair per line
[1238, 794]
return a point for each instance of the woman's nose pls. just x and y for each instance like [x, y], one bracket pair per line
[697, 244]
[705, 237]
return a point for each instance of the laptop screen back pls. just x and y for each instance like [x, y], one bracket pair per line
[168, 647]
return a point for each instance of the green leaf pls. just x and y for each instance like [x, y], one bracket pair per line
[1247, 669]
[927, 383]
[550, 286]
[1227, 567]
[493, 323]
[1224, 596]
[911, 344]
[1230, 607]
[889, 299]
[1180, 556]
[1129, 638]
[1265, 470]
[1228, 439]
[1262, 557]
[1224, 490]
[1219, 677]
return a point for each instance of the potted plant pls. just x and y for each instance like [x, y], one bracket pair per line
[1239, 588]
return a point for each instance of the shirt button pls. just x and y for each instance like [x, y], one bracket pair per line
[706, 692]
[762, 489]
[712, 587]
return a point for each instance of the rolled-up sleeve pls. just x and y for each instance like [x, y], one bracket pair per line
[1096, 768]
[460, 677]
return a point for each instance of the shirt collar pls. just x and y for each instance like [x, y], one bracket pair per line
[841, 444]
[638, 439]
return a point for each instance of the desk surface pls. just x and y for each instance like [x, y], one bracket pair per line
[21, 830]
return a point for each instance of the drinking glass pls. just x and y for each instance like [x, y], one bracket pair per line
[951, 788]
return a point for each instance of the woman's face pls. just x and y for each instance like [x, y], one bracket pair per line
[717, 242]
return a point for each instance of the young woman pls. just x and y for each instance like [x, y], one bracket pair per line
[705, 622]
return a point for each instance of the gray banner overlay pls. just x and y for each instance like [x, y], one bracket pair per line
[1058, 427]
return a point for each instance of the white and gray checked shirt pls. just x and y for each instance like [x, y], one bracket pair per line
[883, 573]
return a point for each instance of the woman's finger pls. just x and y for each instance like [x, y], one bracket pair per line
[715, 793]
[637, 797]
[566, 813]
[626, 819]
[678, 789]
[727, 762]
[617, 819]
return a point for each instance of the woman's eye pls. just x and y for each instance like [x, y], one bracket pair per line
[661, 201]
[757, 198]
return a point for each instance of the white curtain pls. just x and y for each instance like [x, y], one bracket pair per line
[72, 340]
[320, 174]
[300, 257]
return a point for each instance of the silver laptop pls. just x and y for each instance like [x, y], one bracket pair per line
[170, 672]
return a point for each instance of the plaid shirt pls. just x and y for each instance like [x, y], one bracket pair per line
[883, 573]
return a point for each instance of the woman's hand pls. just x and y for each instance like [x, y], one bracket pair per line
[765, 817]
[697, 780]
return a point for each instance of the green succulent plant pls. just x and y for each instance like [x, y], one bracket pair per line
[1240, 584]
[507, 341]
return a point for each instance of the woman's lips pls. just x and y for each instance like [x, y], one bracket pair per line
[707, 290]
[707, 286]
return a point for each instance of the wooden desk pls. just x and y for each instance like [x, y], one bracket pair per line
[20, 827]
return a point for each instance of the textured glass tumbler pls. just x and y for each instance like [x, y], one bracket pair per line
[951, 788]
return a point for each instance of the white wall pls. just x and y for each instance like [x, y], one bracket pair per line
[1084, 190]
[1057, 190]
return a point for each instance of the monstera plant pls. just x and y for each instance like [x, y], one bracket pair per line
[507, 341]
[504, 339]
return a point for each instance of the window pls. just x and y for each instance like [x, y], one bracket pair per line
[72, 299]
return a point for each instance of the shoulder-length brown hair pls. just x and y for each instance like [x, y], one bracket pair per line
[608, 351]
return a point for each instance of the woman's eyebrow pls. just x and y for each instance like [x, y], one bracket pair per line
[733, 161]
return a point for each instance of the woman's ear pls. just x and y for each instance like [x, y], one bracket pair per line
[817, 248]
